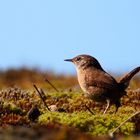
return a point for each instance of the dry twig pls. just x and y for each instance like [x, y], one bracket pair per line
[41, 94]
[112, 133]
[89, 110]
[51, 85]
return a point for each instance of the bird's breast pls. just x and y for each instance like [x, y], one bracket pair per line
[81, 79]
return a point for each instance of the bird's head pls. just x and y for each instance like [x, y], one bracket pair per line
[84, 61]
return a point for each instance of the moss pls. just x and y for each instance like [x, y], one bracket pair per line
[15, 101]
[93, 124]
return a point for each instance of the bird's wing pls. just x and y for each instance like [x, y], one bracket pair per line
[101, 79]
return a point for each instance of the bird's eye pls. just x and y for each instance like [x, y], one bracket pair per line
[78, 58]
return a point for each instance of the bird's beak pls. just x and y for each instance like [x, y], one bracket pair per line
[69, 60]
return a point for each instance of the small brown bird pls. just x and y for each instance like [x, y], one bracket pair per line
[98, 84]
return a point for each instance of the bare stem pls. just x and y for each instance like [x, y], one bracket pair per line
[89, 110]
[51, 85]
[136, 113]
[41, 97]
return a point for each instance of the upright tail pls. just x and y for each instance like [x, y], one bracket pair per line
[125, 80]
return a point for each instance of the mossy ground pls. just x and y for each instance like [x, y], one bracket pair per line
[72, 115]
[16, 103]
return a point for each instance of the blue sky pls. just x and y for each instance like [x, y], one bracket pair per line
[42, 33]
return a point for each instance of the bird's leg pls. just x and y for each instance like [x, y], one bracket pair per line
[108, 104]
[117, 104]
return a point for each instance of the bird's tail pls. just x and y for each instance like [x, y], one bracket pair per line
[125, 80]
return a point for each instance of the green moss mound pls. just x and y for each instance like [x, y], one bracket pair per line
[96, 125]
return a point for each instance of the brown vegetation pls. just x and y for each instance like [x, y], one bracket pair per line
[25, 78]
[20, 101]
